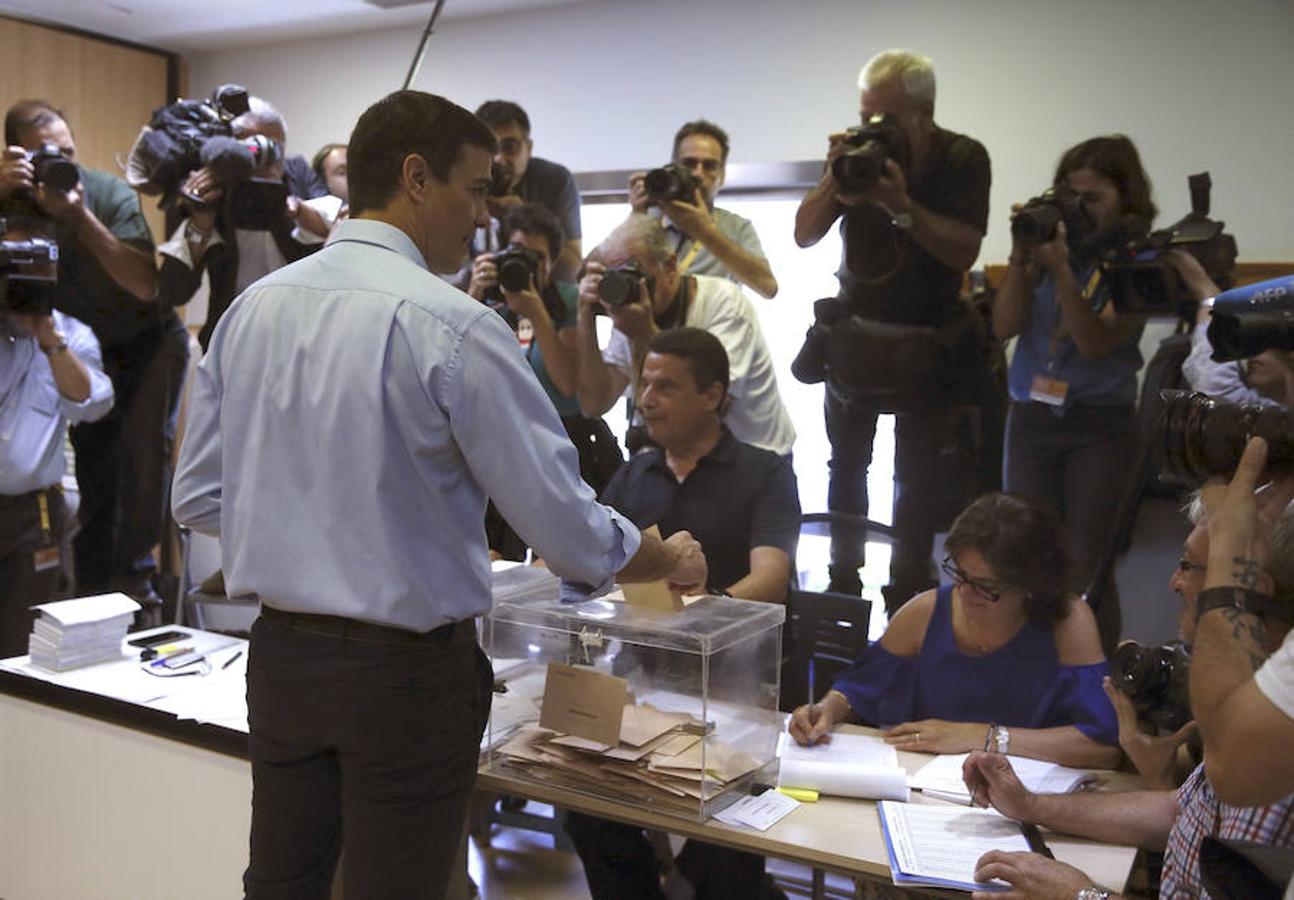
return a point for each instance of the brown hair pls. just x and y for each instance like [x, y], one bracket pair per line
[1025, 546]
[1114, 157]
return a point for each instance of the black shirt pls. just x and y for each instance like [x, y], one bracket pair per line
[888, 275]
[738, 497]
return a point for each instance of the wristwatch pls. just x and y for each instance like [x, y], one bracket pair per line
[1002, 738]
[1243, 599]
[1092, 892]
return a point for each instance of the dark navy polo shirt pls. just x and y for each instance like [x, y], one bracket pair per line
[737, 497]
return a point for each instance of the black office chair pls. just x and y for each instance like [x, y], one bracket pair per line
[826, 632]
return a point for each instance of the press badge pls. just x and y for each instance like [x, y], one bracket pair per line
[1051, 391]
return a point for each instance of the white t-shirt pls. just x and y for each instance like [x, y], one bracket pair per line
[755, 412]
[1276, 677]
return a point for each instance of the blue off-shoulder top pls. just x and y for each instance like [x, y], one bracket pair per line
[1022, 684]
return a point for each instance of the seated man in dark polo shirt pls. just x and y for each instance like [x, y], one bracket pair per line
[741, 503]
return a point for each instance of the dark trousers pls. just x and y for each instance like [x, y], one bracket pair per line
[620, 865]
[362, 748]
[21, 586]
[1075, 465]
[919, 484]
[123, 461]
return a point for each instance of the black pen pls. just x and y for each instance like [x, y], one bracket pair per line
[229, 662]
[1034, 837]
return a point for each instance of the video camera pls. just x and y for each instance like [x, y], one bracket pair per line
[1248, 320]
[171, 145]
[1156, 680]
[879, 139]
[24, 289]
[1136, 267]
[619, 286]
[670, 182]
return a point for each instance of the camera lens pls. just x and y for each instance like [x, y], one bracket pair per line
[670, 182]
[514, 275]
[1204, 437]
[1140, 672]
[1035, 224]
[859, 169]
[617, 288]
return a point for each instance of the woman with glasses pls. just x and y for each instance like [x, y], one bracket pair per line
[1003, 657]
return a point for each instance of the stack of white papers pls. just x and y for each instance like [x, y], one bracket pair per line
[70, 634]
[938, 846]
[849, 765]
[942, 777]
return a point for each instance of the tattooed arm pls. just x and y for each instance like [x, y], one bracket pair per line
[1246, 737]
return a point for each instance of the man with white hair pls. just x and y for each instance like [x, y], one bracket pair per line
[909, 236]
[241, 232]
[658, 296]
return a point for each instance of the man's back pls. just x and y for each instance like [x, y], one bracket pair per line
[347, 383]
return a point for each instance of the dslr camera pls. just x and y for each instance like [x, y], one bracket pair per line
[670, 182]
[879, 139]
[1156, 680]
[26, 282]
[53, 168]
[517, 264]
[1037, 220]
[619, 286]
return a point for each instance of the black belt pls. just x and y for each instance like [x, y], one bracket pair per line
[10, 500]
[341, 627]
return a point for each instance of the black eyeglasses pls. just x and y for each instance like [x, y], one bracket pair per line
[1186, 567]
[953, 571]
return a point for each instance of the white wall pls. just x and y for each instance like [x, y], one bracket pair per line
[1197, 84]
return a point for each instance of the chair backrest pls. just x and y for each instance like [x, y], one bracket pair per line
[827, 633]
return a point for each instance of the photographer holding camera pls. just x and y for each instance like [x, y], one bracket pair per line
[107, 278]
[913, 200]
[50, 375]
[633, 277]
[520, 177]
[240, 229]
[682, 194]
[518, 283]
[1175, 822]
[1243, 698]
[1073, 378]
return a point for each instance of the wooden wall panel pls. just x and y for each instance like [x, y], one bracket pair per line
[107, 90]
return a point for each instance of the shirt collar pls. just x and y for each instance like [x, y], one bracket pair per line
[380, 234]
[722, 453]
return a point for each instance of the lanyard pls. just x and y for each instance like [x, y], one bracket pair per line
[1060, 331]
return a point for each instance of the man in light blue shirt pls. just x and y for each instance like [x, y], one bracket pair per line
[50, 375]
[350, 418]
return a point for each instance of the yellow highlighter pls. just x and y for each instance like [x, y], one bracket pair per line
[804, 795]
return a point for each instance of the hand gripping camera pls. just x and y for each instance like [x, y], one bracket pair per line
[53, 169]
[880, 138]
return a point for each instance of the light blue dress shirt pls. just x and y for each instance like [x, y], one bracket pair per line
[33, 415]
[351, 416]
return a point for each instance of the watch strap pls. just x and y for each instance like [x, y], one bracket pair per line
[1243, 599]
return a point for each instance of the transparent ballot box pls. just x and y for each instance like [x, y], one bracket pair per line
[669, 710]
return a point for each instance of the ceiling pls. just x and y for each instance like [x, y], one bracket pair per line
[203, 25]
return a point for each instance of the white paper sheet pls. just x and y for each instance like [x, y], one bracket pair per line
[942, 844]
[942, 777]
[850, 765]
[761, 813]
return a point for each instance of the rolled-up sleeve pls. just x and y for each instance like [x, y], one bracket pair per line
[529, 469]
[82, 342]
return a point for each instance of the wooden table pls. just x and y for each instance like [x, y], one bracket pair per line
[838, 834]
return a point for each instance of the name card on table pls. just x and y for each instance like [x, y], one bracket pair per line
[584, 703]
